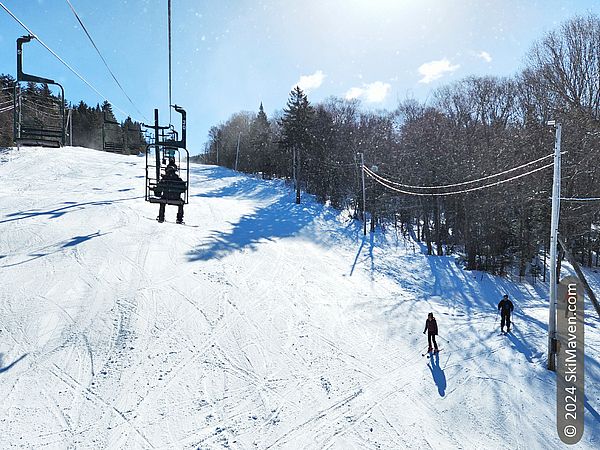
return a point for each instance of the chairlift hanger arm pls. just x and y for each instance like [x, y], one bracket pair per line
[22, 76]
[182, 142]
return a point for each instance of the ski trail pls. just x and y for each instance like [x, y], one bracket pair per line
[74, 385]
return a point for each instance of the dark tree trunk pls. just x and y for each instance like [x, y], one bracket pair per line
[427, 233]
[438, 231]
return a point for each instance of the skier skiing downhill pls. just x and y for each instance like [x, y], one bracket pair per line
[506, 308]
[432, 329]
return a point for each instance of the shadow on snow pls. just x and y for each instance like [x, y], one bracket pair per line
[245, 187]
[11, 365]
[439, 377]
[76, 240]
[58, 212]
[279, 219]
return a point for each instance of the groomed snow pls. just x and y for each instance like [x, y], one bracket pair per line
[261, 324]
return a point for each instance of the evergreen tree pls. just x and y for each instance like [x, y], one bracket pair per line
[297, 138]
[6, 110]
[260, 142]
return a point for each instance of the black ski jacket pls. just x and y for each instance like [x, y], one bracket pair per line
[170, 186]
[431, 326]
[505, 307]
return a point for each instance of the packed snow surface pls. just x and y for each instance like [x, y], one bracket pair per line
[259, 324]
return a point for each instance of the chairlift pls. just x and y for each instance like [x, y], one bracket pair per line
[28, 129]
[107, 145]
[167, 152]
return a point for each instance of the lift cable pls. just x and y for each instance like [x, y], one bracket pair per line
[104, 60]
[408, 186]
[60, 59]
[384, 183]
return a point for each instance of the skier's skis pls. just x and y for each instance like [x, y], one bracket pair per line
[435, 352]
[174, 223]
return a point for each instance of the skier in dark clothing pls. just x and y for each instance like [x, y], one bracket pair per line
[432, 329]
[170, 187]
[506, 308]
[171, 164]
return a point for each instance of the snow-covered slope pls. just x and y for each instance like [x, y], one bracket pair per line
[260, 324]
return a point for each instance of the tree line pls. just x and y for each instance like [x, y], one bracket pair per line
[92, 127]
[470, 129]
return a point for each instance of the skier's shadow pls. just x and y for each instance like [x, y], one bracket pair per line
[438, 374]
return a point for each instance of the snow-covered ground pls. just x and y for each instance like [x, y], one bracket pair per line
[260, 324]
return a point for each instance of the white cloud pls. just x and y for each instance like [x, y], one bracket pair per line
[433, 70]
[309, 82]
[353, 93]
[377, 92]
[373, 92]
[485, 56]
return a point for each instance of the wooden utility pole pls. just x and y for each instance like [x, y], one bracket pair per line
[70, 125]
[364, 194]
[217, 150]
[237, 152]
[552, 342]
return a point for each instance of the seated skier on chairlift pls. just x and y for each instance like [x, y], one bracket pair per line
[170, 187]
[171, 163]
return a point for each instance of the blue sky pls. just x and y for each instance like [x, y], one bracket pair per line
[231, 55]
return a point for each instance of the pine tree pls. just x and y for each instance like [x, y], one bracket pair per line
[297, 138]
[134, 139]
[6, 112]
[260, 141]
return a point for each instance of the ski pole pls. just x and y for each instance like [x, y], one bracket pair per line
[443, 339]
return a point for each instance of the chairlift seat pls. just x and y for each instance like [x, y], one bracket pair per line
[113, 147]
[34, 142]
[40, 137]
[166, 201]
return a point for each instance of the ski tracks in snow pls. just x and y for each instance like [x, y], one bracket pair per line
[267, 343]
